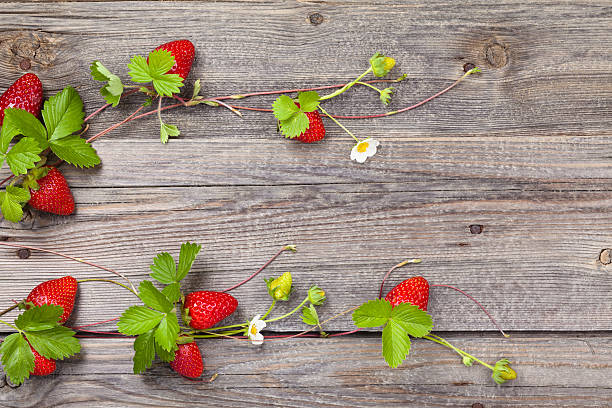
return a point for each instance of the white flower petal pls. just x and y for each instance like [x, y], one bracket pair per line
[260, 325]
[257, 339]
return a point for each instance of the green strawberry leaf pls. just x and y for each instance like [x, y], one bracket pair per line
[188, 254]
[160, 62]
[395, 344]
[11, 202]
[56, 343]
[112, 91]
[23, 156]
[284, 107]
[167, 332]
[196, 89]
[295, 125]
[22, 122]
[413, 320]
[76, 151]
[139, 69]
[165, 356]
[138, 319]
[17, 358]
[309, 101]
[373, 313]
[153, 298]
[164, 268]
[173, 292]
[39, 318]
[310, 315]
[166, 131]
[63, 113]
[144, 347]
[168, 84]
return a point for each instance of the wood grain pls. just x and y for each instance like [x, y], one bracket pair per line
[535, 265]
[347, 372]
[521, 150]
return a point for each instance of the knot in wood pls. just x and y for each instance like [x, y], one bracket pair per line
[496, 55]
[26, 47]
[477, 405]
[315, 18]
[605, 256]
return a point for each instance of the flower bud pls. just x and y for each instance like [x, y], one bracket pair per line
[381, 65]
[502, 372]
[316, 295]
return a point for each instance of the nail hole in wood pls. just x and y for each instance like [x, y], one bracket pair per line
[476, 228]
[477, 405]
[468, 66]
[23, 253]
[315, 18]
[25, 64]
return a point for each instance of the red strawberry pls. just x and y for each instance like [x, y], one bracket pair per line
[315, 131]
[25, 93]
[183, 52]
[414, 290]
[42, 365]
[188, 360]
[59, 292]
[54, 195]
[208, 308]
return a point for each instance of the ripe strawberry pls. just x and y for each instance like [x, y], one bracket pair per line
[42, 365]
[414, 290]
[54, 195]
[315, 131]
[208, 308]
[188, 360]
[26, 93]
[183, 52]
[59, 292]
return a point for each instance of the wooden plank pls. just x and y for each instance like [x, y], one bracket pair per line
[349, 372]
[535, 265]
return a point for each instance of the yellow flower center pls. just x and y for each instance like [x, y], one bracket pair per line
[361, 147]
[253, 330]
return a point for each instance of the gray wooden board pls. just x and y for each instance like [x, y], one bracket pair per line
[522, 149]
[569, 371]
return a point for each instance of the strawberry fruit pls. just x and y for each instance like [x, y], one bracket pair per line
[188, 360]
[183, 52]
[414, 290]
[59, 292]
[53, 195]
[204, 309]
[315, 131]
[42, 365]
[26, 93]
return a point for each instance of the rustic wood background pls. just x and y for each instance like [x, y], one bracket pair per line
[522, 150]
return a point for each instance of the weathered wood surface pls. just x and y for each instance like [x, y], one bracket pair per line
[522, 149]
[559, 372]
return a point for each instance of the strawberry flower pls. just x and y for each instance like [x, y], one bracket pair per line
[255, 326]
[364, 149]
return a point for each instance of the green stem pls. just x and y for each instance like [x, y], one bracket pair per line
[109, 281]
[209, 335]
[346, 87]
[338, 123]
[10, 325]
[5, 311]
[370, 86]
[269, 310]
[440, 340]
[290, 313]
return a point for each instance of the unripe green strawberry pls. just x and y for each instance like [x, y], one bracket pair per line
[281, 287]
